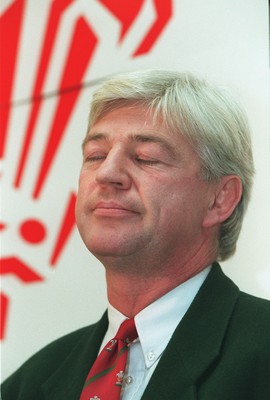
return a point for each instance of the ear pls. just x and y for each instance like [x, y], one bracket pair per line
[226, 196]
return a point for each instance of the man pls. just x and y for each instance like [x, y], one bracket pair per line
[165, 181]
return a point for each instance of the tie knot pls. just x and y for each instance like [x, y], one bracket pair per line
[127, 331]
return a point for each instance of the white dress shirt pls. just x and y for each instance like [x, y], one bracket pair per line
[155, 326]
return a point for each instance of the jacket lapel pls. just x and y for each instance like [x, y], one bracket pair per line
[69, 379]
[196, 343]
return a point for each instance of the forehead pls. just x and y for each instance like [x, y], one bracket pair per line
[133, 124]
[132, 115]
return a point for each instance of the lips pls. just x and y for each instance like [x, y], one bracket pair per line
[113, 209]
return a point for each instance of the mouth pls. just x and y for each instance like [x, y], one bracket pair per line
[112, 209]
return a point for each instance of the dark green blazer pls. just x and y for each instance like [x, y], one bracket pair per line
[219, 351]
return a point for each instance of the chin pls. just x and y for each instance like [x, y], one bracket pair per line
[101, 249]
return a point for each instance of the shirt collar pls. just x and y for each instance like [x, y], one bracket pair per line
[156, 323]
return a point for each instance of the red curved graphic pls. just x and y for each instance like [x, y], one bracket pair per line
[164, 13]
[66, 227]
[4, 313]
[80, 52]
[2, 226]
[57, 9]
[125, 14]
[22, 271]
[9, 42]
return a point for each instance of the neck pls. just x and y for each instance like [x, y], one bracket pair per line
[132, 288]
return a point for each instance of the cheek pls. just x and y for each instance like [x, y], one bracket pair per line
[153, 193]
[83, 179]
[78, 210]
[85, 185]
[162, 200]
[84, 188]
[184, 198]
[80, 195]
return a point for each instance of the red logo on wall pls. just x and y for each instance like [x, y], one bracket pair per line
[82, 47]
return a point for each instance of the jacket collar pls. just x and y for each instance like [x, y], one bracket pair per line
[196, 342]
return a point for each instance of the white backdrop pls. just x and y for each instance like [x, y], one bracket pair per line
[47, 294]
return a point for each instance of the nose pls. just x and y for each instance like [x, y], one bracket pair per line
[113, 171]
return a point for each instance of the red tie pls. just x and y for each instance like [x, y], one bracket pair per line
[105, 378]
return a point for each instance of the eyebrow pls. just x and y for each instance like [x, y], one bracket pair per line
[93, 138]
[144, 138]
[138, 138]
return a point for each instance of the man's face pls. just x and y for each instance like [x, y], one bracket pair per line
[140, 191]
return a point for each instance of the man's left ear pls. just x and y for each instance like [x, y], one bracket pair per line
[227, 195]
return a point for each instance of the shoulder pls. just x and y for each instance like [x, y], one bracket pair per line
[219, 286]
[248, 333]
[254, 303]
[56, 351]
[245, 318]
[253, 312]
[43, 364]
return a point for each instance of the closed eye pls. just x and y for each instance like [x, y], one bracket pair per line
[146, 161]
[94, 158]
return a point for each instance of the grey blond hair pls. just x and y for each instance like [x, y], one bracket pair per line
[208, 116]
